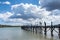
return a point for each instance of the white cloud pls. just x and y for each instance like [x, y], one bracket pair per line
[54, 17]
[30, 10]
[5, 16]
[7, 2]
[33, 14]
[56, 12]
[41, 13]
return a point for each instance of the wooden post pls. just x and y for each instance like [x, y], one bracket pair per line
[40, 27]
[59, 31]
[51, 29]
[45, 31]
[36, 29]
[33, 28]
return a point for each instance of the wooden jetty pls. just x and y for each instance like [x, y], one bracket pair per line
[51, 27]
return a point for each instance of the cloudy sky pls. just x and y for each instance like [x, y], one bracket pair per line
[19, 12]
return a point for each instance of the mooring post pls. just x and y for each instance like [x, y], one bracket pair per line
[45, 31]
[40, 27]
[59, 31]
[36, 29]
[51, 29]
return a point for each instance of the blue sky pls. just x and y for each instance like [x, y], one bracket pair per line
[5, 7]
[16, 12]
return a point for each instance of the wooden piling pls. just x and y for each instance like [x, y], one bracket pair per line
[36, 29]
[51, 29]
[59, 31]
[33, 29]
[45, 31]
[40, 27]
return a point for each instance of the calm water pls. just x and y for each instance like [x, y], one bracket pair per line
[16, 33]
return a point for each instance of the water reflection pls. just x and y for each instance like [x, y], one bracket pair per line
[16, 33]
